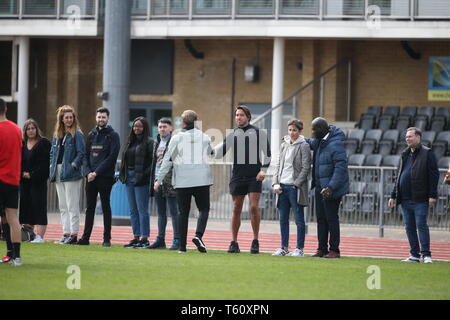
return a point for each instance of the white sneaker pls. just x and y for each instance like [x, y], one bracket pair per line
[297, 253]
[411, 259]
[427, 259]
[17, 262]
[38, 239]
[280, 252]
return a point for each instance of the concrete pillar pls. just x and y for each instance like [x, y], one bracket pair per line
[23, 80]
[277, 93]
[116, 67]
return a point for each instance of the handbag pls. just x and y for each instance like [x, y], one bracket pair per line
[27, 234]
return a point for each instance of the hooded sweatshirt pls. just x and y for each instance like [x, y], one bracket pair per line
[287, 176]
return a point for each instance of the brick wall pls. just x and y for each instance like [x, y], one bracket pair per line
[382, 74]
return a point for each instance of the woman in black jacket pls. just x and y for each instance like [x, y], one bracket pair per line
[35, 172]
[135, 172]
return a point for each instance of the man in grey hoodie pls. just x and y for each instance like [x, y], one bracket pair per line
[188, 154]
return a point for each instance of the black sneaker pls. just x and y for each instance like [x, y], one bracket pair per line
[234, 247]
[255, 246]
[175, 244]
[106, 244]
[158, 244]
[143, 244]
[200, 245]
[71, 240]
[83, 242]
[132, 243]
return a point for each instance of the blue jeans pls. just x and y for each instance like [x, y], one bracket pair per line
[164, 205]
[415, 219]
[138, 198]
[286, 201]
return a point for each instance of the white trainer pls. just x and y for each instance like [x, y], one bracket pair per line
[38, 239]
[411, 259]
[280, 252]
[297, 253]
[427, 259]
[17, 262]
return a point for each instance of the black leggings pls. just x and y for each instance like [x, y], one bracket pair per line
[184, 196]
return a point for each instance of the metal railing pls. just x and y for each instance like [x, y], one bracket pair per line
[261, 121]
[235, 9]
[50, 9]
[365, 205]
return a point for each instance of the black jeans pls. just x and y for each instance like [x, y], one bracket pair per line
[102, 185]
[327, 222]
[184, 196]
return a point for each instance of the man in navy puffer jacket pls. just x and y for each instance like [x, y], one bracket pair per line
[331, 183]
[102, 150]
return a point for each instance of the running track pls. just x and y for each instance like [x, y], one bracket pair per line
[269, 242]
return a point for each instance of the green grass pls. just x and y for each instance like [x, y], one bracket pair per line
[118, 273]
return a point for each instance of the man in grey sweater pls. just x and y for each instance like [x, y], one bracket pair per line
[188, 154]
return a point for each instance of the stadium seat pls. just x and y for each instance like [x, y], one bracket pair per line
[373, 160]
[371, 140]
[428, 138]
[388, 142]
[440, 145]
[356, 159]
[444, 163]
[385, 122]
[403, 122]
[353, 141]
[391, 161]
[367, 121]
[443, 113]
[410, 111]
[427, 111]
[376, 110]
[421, 122]
[392, 110]
[401, 146]
[438, 124]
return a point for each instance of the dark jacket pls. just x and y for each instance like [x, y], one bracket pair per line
[142, 164]
[102, 150]
[73, 158]
[39, 163]
[424, 175]
[166, 188]
[331, 160]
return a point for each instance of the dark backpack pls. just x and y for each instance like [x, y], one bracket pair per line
[27, 234]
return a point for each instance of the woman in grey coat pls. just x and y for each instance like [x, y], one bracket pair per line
[290, 183]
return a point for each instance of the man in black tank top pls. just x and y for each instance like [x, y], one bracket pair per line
[251, 153]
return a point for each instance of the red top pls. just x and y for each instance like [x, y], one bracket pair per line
[10, 152]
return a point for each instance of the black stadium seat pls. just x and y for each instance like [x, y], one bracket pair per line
[371, 140]
[385, 122]
[367, 121]
[428, 138]
[427, 112]
[373, 160]
[403, 122]
[391, 161]
[356, 159]
[388, 142]
[353, 141]
[440, 145]
[444, 163]
[438, 124]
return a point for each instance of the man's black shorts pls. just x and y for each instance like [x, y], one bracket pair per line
[9, 196]
[240, 186]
